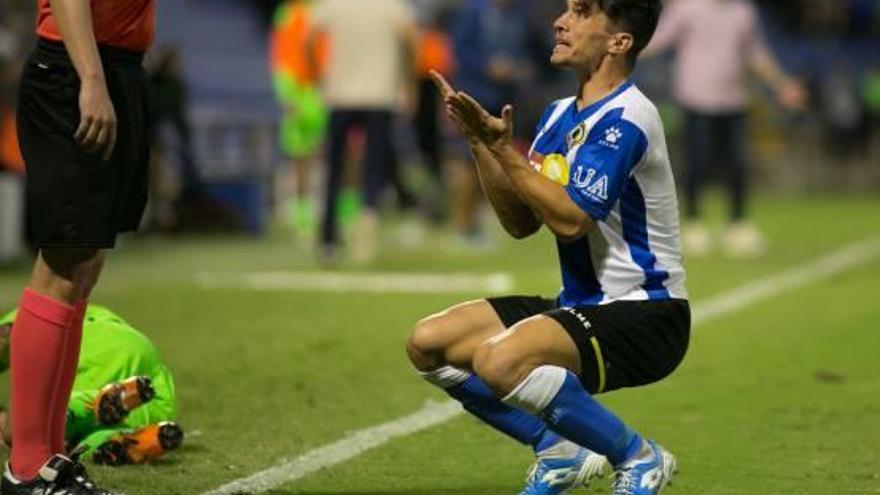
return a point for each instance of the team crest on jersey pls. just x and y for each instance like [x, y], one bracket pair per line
[612, 137]
[590, 182]
[556, 168]
[577, 136]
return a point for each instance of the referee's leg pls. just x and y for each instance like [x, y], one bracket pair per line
[45, 345]
[79, 200]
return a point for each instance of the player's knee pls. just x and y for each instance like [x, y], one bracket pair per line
[500, 369]
[422, 347]
[69, 273]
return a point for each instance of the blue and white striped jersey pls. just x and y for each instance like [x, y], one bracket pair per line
[611, 157]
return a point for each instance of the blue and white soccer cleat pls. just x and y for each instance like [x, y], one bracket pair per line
[646, 474]
[563, 467]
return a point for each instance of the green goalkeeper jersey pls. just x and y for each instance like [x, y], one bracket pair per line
[112, 350]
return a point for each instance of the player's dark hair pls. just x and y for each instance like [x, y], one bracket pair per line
[636, 17]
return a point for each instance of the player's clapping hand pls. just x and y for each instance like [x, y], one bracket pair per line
[473, 121]
[97, 126]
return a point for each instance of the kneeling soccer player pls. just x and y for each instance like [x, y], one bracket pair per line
[598, 177]
[123, 405]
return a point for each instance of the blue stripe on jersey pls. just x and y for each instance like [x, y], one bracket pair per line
[546, 115]
[635, 233]
[579, 281]
[604, 162]
[554, 140]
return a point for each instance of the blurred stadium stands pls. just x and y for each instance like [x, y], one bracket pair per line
[233, 109]
[830, 44]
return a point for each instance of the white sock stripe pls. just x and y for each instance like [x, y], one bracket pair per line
[445, 377]
[538, 389]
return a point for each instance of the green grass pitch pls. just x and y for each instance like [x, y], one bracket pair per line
[780, 397]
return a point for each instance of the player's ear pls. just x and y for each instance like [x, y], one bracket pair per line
[620, 44]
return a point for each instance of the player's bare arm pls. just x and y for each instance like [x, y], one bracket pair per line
[97, 128]
[515, 215]
[789, 91]
[545, 197]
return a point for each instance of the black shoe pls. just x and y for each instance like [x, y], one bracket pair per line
[59, 476]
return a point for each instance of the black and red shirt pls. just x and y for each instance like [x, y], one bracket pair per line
[129, 24]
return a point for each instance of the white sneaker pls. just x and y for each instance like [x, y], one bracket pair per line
[563, 467]
[646, 474]
[743, 240]
[696, 239]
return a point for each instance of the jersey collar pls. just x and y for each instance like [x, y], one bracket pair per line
[593, 107]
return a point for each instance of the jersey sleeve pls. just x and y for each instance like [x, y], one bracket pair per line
[404, 15]
[604, 163]
[756, 44]
[670, 28]
[321, 14]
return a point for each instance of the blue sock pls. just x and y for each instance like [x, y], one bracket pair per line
[479, 400]
[577, 416]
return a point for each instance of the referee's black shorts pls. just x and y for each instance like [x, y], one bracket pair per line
[622, 344]
[75, 198]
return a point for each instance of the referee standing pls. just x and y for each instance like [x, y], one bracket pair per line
[84, 134]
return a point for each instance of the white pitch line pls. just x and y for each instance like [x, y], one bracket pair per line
[376, 282]
[837, 262]
[353, 445]
[435, 414]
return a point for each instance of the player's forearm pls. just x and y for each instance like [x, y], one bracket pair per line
[547, 198]
[74, 18]
[767, 68]
[515, 215]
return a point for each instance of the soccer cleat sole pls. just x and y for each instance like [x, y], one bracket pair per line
[116, 400]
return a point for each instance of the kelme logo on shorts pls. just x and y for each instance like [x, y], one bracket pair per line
[579, 316]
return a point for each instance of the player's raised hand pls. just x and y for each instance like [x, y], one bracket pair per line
[442, 84]
[472, 120]
[97, 127]
[490, 130]
[448, 93]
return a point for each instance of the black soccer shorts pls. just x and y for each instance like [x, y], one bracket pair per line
[622, 344]
[74, 198]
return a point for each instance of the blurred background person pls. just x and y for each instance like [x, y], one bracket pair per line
[717, 44]
[16, 34]
[369, 71]
[491, 46]
[171, 141]
[434, 53]
[304, 115]
[11, 173]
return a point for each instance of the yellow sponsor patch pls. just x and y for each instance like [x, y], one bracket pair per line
[556, 168]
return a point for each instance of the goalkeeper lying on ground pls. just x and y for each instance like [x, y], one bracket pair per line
[123, 403]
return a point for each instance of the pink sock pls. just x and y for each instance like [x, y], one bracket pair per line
[36, 354]
[72, 342]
